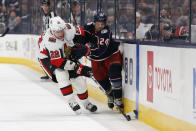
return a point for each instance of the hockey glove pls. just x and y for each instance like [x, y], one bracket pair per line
[78, 51]
[69, 65]
[83, 70]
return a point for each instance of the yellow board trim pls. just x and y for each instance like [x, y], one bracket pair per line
[22, 61]
[148, 115]
[162, 121]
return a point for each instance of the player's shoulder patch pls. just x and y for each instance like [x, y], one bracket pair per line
[68, 26]
[104, 31]
[52, 39]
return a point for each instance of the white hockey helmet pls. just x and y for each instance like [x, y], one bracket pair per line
[56, 24]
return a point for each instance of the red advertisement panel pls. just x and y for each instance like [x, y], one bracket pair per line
[150, 76]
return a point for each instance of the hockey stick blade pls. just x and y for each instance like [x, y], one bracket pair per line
[128, 117]
[44, 77]
[133, 115]
[121, 111]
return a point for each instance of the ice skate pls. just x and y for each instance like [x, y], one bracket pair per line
[110, 102]
[118, 102]
[91, 107]
[75, 107]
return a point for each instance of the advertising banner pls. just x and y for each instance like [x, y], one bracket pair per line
[19, 46]
[167, 81]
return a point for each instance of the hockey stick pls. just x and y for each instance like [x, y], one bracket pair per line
[46, 77]
[128, 116]
[5, 28]
[6, 31]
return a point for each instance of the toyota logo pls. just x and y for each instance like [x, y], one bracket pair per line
[150, 76]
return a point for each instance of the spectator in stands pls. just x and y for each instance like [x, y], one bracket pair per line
[91, 9]
[3, 14]
[168, 31]
[13, 22]
[166, 25]
[146, 9]
[13, 5]
[122, 20]
[111, 19]
[141, 28]
[75, 12]
[89, 15]
[25, 19]
[194, 12]
[126, 22]
[147, 15]
[63, 9]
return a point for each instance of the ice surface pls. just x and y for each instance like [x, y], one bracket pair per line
[30, 104]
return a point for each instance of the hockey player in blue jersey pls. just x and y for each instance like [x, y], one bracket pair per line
[105, 58]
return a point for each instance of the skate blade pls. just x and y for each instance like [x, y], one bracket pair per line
[78, 112]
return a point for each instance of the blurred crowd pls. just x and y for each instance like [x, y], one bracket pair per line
[15, 15]
[169, 23]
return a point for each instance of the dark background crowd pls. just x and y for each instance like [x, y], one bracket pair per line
[162, 20]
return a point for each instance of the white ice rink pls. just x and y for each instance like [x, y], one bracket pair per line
[29, 104]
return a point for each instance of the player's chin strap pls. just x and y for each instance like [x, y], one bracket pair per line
[129, 116]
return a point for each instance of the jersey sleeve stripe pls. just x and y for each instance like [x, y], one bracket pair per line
[82, 31]
[83, 96]
[67, 90]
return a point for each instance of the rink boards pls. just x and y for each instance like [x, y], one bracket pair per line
[159, 81]
[167, 90]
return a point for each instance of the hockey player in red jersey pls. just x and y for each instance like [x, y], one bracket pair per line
[59, 67]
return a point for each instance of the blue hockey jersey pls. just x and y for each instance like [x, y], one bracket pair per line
[102, 44]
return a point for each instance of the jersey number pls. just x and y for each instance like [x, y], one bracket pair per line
[103, 41]
[54, 54]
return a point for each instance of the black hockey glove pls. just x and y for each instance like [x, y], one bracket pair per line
[83, 70]
[78, 51]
